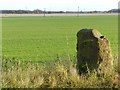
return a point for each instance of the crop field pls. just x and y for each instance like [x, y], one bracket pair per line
[46, 38]
[51, 39]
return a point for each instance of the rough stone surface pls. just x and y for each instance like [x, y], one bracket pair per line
[93, 52]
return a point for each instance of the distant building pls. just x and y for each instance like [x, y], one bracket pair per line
[114, 11]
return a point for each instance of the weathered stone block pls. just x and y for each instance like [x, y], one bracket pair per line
[93, 52]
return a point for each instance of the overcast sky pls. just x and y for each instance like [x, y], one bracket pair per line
[61, 5]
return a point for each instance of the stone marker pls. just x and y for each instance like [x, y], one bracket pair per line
[93, 52]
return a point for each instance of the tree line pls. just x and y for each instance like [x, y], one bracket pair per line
[37, 11]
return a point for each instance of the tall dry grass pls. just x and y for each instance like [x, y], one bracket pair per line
[18, 74]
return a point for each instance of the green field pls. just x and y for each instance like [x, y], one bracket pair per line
[52, 40]
[46, 38]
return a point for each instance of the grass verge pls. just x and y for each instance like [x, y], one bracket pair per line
[58, 74]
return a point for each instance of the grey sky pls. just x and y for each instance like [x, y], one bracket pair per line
[63, 5]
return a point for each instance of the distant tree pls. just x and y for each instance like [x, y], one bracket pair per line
[37, 11]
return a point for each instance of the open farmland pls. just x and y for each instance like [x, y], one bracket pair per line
[46, 38]
[49, 39]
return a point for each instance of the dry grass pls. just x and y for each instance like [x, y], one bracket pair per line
[17, 74]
